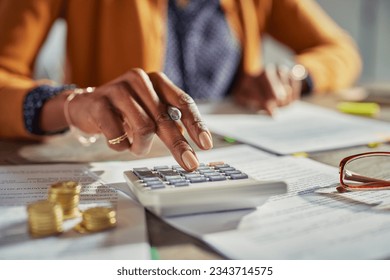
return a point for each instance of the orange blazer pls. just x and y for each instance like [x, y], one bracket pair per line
[107, 37]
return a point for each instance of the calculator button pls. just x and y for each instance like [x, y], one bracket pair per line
[167, 172]
[238, 176]
[141, 169]
[148, 179]
[161, 167]
[218, 166]
[216, 178]
[153, 183]
[200, 168]
[155, 187]
[228, 173]
[224, 169]
[199, 179]
[192, 175]
[167, 178]
[144, 174]
[212, 173]
[178, 168]
[177, 180]
[184, 173]
[181, 184]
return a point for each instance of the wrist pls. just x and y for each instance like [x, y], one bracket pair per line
[69, 97]
[300, 73]
[40, 117]
[83, 138]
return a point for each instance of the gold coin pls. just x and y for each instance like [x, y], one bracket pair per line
[67, 194]
[98, 219]
[99, 213]
[66, 187]
[44, 218]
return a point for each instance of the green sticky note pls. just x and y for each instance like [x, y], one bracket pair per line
[229, 139]
[359, 108]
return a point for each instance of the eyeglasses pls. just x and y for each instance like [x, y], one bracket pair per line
[365, 172]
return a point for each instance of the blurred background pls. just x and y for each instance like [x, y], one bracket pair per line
[367, 21]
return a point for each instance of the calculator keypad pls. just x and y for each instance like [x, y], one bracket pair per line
[175, 176]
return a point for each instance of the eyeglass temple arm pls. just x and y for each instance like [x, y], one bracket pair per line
[360, 178]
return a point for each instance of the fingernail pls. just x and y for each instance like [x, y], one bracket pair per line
[205, 140]
[190, 160]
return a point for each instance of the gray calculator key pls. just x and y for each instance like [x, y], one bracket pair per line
[218, 166]
[155, 187]
[182, 184]
[167, 178]
[167, 172]
[149, 179]
[212, 173]
[178, 168]
[191, 175]
[228, 173]
[203, 167]
[161, 167]
[145, 174]
[199, 179]
[177, 180]
[238, 176]
[216, 178]
[224, 169]
[141, 169]
[153, 183]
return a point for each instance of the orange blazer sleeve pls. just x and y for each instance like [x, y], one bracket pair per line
[328, 53]
[24, 25]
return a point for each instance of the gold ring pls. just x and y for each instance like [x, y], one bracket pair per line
[118, 139]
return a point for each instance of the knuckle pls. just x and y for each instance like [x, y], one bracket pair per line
[162, 117]
[185, 99]
[180, 144]
[137, 73]
[99, 106]
[121, 89]
[146, 129]
[158, 74]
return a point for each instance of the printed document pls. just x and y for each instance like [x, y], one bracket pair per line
[311, 221]
[21, 185]
[300, 127]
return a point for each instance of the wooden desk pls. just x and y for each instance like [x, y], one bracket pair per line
[170, 243]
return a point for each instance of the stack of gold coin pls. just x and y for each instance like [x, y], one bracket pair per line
[44, 218]
[66, 194]
[98, 219]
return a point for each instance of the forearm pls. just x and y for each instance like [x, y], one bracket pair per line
[332, 67]
[328, 53]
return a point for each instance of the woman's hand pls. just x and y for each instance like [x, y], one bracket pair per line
[136, 103]
[273, 87]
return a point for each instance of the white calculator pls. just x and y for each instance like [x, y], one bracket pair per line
[216, 186]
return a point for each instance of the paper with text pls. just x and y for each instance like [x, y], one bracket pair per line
[311, 221]
[21, 185]
[300, 127]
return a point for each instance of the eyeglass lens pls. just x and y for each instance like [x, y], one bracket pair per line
[371, 171]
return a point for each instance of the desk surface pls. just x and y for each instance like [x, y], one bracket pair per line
[170, 243]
